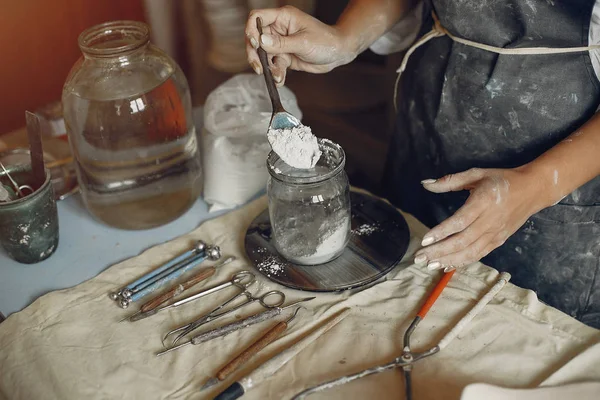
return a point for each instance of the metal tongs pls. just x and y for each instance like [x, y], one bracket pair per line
[408, 358]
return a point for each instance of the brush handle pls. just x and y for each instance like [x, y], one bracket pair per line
[177, 290]
[252, 350]
[271, 86]
[437, 290]
[502, 281]
[273, 365]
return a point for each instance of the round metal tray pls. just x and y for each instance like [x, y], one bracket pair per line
[379, 240]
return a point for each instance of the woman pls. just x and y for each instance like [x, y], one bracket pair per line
[513, 139]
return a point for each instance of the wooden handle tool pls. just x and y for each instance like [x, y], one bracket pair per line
[255, 347]
[177, 290]
[271, 85]
[280, 119]
[249, 352]
[156, 302]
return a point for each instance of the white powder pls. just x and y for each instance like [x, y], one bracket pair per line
[297, 147]
[365, 230]
[330, 242]
[234, 169]
[271, 266]
[330, 245]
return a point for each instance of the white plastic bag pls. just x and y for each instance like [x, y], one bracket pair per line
[234, 139]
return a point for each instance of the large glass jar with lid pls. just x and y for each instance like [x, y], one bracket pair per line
[310, 208]
[128, 113]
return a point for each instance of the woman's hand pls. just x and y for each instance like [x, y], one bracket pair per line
[500, 202]
[296, 40]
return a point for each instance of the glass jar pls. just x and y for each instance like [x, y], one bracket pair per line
[310, 208]
[128, 114]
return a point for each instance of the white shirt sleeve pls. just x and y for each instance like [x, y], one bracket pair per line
[402, 35]
[594, 38]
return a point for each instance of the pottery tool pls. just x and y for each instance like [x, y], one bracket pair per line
[270, 367]
[18, 189]
[35, 149]
[280, 119]
[126, 291]
[408, 358]
[167, 275]
[177, 290]
[241, 280]
[234, 326]
[250, 351]
[277, 295]
[176, 272]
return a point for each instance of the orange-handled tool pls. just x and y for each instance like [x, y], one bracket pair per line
[437, 290]
[407, 359]
[407, 354]
[431, 299]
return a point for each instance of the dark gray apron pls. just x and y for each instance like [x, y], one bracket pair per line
[462, 107]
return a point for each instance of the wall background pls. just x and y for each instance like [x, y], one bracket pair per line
[38, 46]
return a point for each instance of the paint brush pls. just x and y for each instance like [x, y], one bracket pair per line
[266, 370]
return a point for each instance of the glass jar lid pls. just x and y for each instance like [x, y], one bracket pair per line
[332, 161]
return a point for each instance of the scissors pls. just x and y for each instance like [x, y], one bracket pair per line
[271, 299]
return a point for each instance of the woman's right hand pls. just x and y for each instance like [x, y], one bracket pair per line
[296, 40]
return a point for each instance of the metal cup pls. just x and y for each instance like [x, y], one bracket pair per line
[28, 225]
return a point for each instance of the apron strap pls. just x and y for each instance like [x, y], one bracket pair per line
[438, 31]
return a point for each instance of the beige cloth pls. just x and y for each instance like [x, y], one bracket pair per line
[68, 344]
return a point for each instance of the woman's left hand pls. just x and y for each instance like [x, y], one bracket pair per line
[500, 202]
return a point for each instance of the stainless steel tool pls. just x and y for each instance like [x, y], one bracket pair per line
[178, 289]
[18, 189]
[235, 326]
[127, 291]
[241, 280]
[277, 295]
[212, 253]
[157, 281]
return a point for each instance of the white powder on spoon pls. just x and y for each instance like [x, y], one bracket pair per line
[297, 147]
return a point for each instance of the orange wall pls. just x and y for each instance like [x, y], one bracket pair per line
[38, 46]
